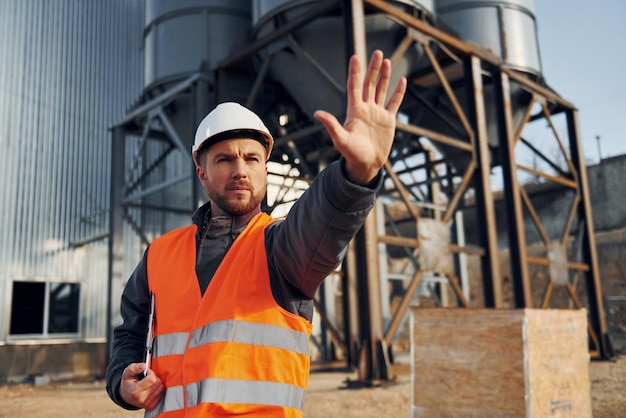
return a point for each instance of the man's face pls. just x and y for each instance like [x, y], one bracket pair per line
[234, 174]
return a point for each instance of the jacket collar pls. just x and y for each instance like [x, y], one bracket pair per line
[220, 225]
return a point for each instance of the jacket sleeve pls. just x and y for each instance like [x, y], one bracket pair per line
[312, 240]
[129, 337]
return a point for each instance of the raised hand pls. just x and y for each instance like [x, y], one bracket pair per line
[367, 134]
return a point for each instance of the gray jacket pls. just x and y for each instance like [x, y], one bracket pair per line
[302, 250]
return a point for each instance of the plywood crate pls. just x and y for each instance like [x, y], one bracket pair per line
[499, 363]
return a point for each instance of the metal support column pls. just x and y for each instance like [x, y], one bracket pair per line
[372, 359]
[515, 215]
[590, 252]
[490, 263]
[116, 217]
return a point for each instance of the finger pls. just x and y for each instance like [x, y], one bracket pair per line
[383, 82]
[354, 80]
[152, 402]
[154, 396]
[398, 96]
[148, 391]
[371, 76]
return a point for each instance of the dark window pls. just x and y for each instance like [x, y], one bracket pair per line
[27, 308]
[29, 304]
[63, 317]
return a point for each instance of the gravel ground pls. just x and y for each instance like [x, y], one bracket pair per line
[327, 397]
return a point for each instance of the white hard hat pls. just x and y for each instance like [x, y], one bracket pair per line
[230, 120]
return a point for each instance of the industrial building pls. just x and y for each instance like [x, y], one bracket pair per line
[69, 69]
[98, 108]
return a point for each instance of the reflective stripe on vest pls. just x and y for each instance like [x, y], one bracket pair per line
[245, 392]
[169, 344]
[233, 331]
[251, 333]
[231, 391]
[173, 400]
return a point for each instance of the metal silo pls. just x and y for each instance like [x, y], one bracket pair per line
[153, 181]
[506, 29]
[186, 37]
[184, 41]
[311, 61]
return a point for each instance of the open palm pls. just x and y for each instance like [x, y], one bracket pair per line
[366, 136]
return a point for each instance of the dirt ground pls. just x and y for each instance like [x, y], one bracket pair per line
[327, 397]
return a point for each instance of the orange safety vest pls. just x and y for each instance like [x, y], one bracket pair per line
[234, 350]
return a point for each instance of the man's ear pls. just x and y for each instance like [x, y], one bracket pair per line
[202, 176]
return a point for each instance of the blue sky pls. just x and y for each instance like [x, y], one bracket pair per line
[583, 53]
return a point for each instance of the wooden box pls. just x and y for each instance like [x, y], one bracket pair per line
[499, 363]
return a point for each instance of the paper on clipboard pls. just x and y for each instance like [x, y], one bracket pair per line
[150, 335]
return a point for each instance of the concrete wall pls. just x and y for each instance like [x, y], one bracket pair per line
[608, 193]
[612, 260]
[51, 362]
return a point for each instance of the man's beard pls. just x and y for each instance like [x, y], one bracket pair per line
[237, 207]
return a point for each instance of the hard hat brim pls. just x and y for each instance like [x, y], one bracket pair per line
[265, 140]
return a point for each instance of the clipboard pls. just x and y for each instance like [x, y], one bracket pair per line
[150, 335]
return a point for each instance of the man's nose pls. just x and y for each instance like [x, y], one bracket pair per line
[239, 168]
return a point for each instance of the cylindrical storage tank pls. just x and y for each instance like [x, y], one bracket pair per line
[183, 37]
[507, 28]
[313, 66]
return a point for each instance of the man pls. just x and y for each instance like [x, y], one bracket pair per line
[233, 292]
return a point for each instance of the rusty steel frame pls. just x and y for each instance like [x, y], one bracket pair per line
[516, 197]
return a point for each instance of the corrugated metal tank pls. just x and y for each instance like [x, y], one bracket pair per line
[509, 30]
[321, 44]
[68, 70]
[184, 37]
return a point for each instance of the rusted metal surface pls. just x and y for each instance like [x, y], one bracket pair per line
[492, 284]
[515, 216]
[590, 252]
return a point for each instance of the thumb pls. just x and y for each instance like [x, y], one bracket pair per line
[330, 122]
[134, 369]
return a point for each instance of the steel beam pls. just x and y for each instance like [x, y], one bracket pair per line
[515, 215]
[492, 278]
[590, 252]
